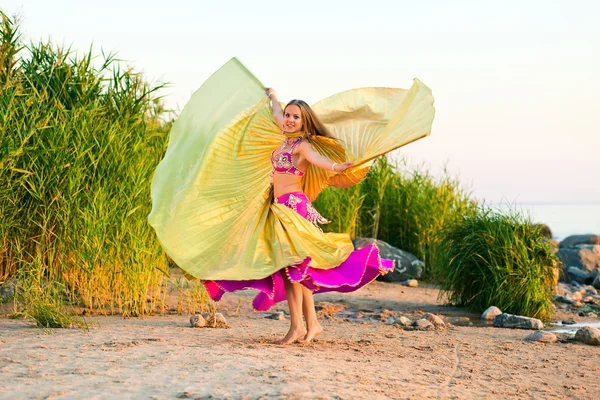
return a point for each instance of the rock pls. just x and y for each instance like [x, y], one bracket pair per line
[568, 299]
[590, 290]
[596, 282]
[516, 321]
[577, 296]
[490, 313]
[577, 274]
[390, 321]
[575, 240]
[569, 322]
[588, 335]
[586, 258]
[541, 336]
[197, 321]
[544, 230]
[576, 304]
[411, 283]
[403, 321]
[434, 319]
[7, 291]
[407, 266]
[216, 320]
[423, 325]
[279, 316]
[588, 300]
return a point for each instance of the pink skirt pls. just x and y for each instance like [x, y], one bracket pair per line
[360, 268]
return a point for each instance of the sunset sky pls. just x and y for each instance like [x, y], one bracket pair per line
[516, 83]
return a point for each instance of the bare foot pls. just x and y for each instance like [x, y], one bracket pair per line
[292, 336]
[312, 333]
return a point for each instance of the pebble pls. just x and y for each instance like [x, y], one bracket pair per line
[541, 336]
[588, 335]
[490, 313]
[279, 316]
[411, 283]
[216, 321]
[577, 296]
[591, 290]
[403, 321]
[588, 299]
[197, 321]
[390, 321]
[517, 321]
[423, 325]
[434, 319]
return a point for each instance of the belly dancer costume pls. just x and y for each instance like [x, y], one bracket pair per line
[212, 200]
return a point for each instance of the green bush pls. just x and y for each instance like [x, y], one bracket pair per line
[502, 260]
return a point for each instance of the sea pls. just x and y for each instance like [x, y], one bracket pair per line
[563, 219]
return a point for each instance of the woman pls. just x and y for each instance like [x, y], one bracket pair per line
[237, 215]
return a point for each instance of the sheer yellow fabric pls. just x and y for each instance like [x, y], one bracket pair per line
[212, 203]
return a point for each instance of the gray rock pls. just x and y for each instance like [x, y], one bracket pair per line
[575, 240]
[490, 313]
[588, 335]
[407, 266]
[517, 322]
[584, 258]
[279, 316]
[390, 321]
[541, 336]
[403, 321]
[577, 274]
[568, 299]
[434, 319]
[423, 325]
[7, 291]
[411, 283]
[596, 282]
[197, 321]
[216, 320]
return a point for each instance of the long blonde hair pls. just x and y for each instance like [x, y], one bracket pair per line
[312, 124]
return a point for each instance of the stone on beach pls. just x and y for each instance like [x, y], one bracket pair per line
[588, 335]
[407, 265]
[423, 325]
[541, 336]
[434, 319]
[216, 320]
[517, 322]
[278, 316]
[197, 321]
[411, 283]
[403, 321]
[490, 313]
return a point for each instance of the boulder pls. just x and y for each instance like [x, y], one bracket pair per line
[588, 335]
[585, 258]
[407, 266]
[596, 282]
[545, 230]
[541, 336]
[517, 322]
[577, 275]
[575, 240]
[490, 313]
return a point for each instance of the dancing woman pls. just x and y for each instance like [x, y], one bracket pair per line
[232, 196]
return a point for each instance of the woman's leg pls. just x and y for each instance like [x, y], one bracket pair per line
[293, 292]
[313, 327]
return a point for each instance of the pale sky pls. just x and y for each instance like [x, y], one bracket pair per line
[516, 83]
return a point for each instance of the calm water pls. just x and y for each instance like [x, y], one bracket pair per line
[564, 219]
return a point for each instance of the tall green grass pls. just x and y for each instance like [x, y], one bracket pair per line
[406, 208]
[79, 140]
[502, 260]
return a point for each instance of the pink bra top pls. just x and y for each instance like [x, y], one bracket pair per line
[282, 162]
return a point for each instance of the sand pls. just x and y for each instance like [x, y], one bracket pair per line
[162, 357]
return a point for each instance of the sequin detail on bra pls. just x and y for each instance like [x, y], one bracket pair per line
[283, 164]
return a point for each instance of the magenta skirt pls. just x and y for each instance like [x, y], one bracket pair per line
[360, 268]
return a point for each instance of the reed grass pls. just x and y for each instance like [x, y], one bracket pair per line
[495, 259]
[79, 140]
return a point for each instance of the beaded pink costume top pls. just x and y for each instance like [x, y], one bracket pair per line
[282, 162]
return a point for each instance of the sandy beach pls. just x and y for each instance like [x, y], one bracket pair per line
[163, 357]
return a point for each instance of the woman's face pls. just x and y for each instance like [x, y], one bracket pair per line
[292, 119]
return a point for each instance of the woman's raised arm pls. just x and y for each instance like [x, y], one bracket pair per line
[275, 106]
[307, 150]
